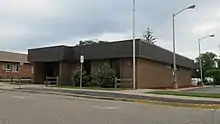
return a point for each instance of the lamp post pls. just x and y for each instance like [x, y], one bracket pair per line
[134, 55]
[200, 58]
[174, 45]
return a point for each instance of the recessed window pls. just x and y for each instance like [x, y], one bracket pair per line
[7, 67]
[16, 68]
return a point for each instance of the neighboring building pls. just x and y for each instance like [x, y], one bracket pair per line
[153, 63]
[14, 65]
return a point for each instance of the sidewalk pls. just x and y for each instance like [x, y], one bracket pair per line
[103, 94]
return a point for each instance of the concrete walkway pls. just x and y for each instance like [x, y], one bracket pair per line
[125, 94]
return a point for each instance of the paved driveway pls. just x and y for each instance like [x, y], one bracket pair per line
[209, 89]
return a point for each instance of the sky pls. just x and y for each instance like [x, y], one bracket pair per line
[28, 24]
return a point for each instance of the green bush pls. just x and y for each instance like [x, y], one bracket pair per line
[76, 77]
[105, 76]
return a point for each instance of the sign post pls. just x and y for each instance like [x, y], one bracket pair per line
[81, 69]
[19, 84]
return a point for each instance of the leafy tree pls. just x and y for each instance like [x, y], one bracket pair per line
[105, 76]
[101, 41]
[209, 68]
[86, 42]
[148, 37]
[89, 42]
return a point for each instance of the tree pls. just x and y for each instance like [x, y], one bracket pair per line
[101, 41]
[105, 76]
[209, 68]
[89, 42]
[86, 42]
[148, 37]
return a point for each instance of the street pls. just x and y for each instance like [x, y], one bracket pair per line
[28, 108]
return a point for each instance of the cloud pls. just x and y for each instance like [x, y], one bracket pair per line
[9, 30]
[34, 23]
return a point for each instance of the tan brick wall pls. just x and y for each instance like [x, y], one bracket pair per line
[25, 70]
[184, 77]
[152, 74]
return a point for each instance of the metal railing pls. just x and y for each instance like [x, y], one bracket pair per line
[118, 81]
[16, 80]
[50, 80]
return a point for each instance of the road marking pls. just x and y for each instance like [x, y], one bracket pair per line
[21, 97]
[105, 107]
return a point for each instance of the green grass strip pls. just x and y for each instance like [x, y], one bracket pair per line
[184, 93]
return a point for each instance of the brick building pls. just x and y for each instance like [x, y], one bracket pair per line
[153, 63]
[14, 65]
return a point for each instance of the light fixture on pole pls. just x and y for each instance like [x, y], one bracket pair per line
[81, 70]
[200, 58]
[174, 45]
[134, 55]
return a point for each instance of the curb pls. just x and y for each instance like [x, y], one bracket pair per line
[174, 104]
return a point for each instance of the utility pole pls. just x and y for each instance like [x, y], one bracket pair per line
[134, 54]
[200, 62]
[174, 44]
[200, 58]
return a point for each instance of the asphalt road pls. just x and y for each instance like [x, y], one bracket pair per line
[28, 108]
[119, 95]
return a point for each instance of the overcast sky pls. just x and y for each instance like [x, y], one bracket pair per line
[34, 23]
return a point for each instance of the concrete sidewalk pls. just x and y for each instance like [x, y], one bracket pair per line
[126, 94]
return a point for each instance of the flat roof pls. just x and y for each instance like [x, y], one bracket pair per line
[117, 49]
[13, 57]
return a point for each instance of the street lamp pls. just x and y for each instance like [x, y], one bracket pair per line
[174, 45]
[200, 60]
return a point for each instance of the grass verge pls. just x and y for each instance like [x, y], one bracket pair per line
[94, 88]
[182, 93]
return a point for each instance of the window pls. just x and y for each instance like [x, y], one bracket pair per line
[16, 68]
[7, 67]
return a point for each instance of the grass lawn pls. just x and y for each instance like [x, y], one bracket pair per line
[94, 88]
[184, 93]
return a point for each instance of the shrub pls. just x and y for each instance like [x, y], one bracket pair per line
[105, 76]
[76, 77]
